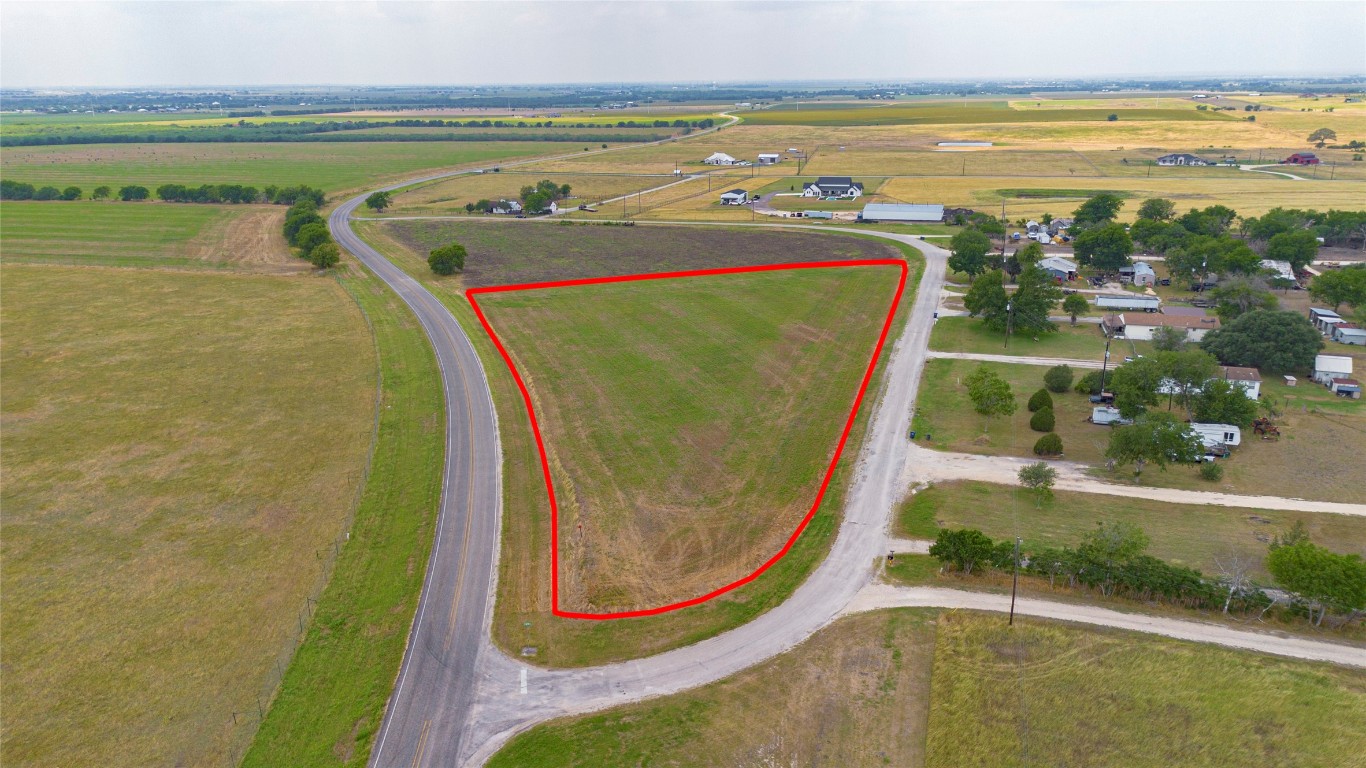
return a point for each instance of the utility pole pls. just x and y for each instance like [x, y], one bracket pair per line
[1014, 582]
[1010, 317]
[1105, 364]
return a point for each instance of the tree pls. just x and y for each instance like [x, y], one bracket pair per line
[1032, 253]
[133, 192]
[1186, 372]
[71, 193]
[1089, 383]
[1039, 400]
[1239, 295]
[1111, 547]
[448, 259]
[378, 201]
[1323, 136]
[1099, 209]
[1155, 437]
[987, 297]
[1112, 117]
[1169, 338]
[325, 255]
[47, 193]
[1157, 209]
[1136, 385]
[1043, 420]
[1075, 304]
[1275, 342]
[1341, 286]
[969, 249]
[990, 394]
[962, 549]
[100, 193]
[1048, 445]
[1223, 402]
[1299, 248]
[469, 207]
[1211, 471]
[297, 221]
[1038, 478]
[311, 236]
[1033, 302]
[1106, 248]
[1235, 570]
[1058, 378]
[1322, 579]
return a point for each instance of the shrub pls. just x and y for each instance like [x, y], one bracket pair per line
[1040, 400]
[1089, 384]
[1211, 471]
[447, 259]
[1058, 378]
[1048, 445]
[325, 255]
[1042, 420]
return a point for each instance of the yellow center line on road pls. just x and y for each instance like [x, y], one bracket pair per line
[469, 506]
[421, 744]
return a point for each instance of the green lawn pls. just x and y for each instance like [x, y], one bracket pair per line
[182, 451]
[332, 699]
[1080, 696]
[333, 167]
[674, 410]
[1082, 341]
[1187, 534]
[111, 234]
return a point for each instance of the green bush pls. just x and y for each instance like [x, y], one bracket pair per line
[1048, 445]
[1058, 378]
[448, 259]
[1042, 420]
[1089, 384]
[1040, 400]
[1211, 471]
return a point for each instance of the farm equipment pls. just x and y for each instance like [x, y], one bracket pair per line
[1266, 429]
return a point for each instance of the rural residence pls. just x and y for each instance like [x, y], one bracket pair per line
[834, 186]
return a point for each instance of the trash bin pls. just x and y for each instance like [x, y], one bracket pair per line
[913, 434]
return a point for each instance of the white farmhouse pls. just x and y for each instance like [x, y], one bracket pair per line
[720, 158]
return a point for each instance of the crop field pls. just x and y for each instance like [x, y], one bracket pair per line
[1193, 535]
[1083, 697]
[1320, 442]
[168, 508]
[688, 421]
[451, 195]
[901, 688]
[978, 112]
[523, 617]
[146, 234]
[334, 167]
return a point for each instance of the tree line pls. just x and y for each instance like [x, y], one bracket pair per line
[171, 193]
[1112, 560]
[306, 231]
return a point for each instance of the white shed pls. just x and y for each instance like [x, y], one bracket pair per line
[1329, 367]
[734, 197]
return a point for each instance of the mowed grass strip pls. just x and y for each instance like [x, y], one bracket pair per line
[1193, 535]
[181, 452]
[1082, 341]
[333, 696]
[145, 234]
[1085, 696]
[855, 693]
[688, 420]
[333, 167]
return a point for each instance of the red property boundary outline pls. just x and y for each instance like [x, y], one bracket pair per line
[540, 445]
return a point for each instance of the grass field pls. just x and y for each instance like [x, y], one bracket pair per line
[451, 195]
[854, 694]
[333, 167]
[923, 688]
[1319, 442]
[688, 421]
[146, 234]
[977, 112]
[1082, 341]
[168, 501]
[522, 615]
[1078, 696]
[333, 695]
[1188, 534]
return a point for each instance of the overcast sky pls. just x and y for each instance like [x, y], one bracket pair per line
[393, 42]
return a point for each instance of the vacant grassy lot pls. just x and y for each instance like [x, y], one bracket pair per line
[977, 112]
[1082, 341]
[689, 421]
[169, 504]
[450, 195]
[522, 616]
[332, 699]
[508, 253]
[146, 234]
[1073, 696]
[854, 694]
[1189, 534]
[334, 167]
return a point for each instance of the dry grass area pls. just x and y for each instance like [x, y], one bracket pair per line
[450, 195]
[168, 501]
[688, 421]
[1081, 696]
[854, 694]
[1322, 436]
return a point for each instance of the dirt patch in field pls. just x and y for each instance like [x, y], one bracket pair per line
[528, 252]
[253, 239]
